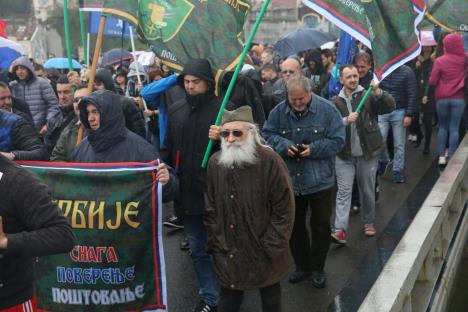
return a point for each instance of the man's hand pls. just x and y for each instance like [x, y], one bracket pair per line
[163, 174]
[43, 130]
[352, 117]
[424, 100]
[3, 237]
[10, 156]
[407, 121]
[305, 151]
[149, 113]
[213, 134]
[375, 88]
[292, 151]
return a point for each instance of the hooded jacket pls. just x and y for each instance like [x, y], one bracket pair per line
[134, 120]
[39, 96]
[187, 137]
[35, 227]
[449, 70]
[112, 141]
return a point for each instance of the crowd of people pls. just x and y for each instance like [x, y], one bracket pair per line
[287, 156]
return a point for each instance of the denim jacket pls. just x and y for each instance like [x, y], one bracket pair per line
[320, 127]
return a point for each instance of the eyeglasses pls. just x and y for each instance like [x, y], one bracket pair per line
[3, 98]
[236, 133]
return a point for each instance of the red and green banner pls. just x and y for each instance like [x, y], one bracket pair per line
[118, 261]
[449, 14]
[389, 28]
[179, 30]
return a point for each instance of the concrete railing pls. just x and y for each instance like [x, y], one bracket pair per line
[419, 274]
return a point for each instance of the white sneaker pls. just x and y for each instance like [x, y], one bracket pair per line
[442, 160]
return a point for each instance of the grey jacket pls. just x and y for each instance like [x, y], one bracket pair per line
[39, 96]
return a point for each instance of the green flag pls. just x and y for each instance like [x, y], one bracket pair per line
[389, 28]
[179, 30]
[118, 261]
[449, 14]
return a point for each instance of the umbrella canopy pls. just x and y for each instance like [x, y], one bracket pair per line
[9, 51]
[113, 57]
[301, 40]
[61, 63]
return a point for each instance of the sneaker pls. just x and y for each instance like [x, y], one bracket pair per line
[369, 229]
[202, 306]
[442, 160]
[382, 167]
[184, 244]
[298, 276]
[398, 177]
[318, 279]
[354, 210]
[174, 222]
[339, 237]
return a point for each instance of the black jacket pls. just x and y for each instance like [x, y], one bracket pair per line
[35, 227]
[134, 119]
[187, 137]
[112, 141]
[401, 84]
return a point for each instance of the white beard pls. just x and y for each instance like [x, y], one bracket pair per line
[238, 154]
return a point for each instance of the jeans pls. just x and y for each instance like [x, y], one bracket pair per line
[311, 257]
[450, 113]
[365, 171]
[231, 300]
[195, 232]
[394, 120]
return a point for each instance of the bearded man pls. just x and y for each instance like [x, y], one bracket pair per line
[249, 214]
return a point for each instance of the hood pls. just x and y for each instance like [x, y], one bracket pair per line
[103, 75]
[132, 70]
[200, 68]
[112, 122]
[453, 44]
[25, 62]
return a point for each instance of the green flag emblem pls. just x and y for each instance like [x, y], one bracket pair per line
[163, 19]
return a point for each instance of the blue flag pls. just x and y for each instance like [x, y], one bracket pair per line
[115, 27]
[345, 54]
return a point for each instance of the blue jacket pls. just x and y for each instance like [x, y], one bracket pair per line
[321, 127]
[151, 93]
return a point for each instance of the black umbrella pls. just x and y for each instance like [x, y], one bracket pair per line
[114, 56]
[301, 40]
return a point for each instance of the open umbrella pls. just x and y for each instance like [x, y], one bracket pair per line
[113, 57]
[61, 63]
[300, 40]
[9, 51]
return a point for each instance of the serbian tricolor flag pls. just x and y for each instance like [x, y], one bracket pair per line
[3, 28]
[389, 28]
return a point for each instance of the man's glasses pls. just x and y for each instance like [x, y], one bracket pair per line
[236, 133]
[3, 98]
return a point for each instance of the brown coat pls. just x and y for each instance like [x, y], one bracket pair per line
[249, 217]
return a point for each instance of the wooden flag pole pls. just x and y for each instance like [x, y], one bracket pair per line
[92, 73]
[234, 77]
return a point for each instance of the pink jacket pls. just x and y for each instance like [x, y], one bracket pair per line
[449, 70]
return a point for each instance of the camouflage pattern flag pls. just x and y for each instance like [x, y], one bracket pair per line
[179, 30]
[118, 261]
[389, 28]
[449, 14]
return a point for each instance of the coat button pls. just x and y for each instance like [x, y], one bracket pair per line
[231, 226]
[232, 196]
[1, 256]
[298, 174]
[232, 286]
[284, 132]
[298, 129]
[231, 256]
[1, 284]
[315, 131]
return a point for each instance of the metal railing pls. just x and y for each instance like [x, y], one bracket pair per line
[419, 274]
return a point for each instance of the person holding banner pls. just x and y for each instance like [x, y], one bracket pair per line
[31, 225]
[360, 155]
[249, 214]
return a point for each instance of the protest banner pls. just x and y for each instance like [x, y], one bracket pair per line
[118, 261]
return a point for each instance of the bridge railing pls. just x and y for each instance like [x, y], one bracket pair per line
[419, 274]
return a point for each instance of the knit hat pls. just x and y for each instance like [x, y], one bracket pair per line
[243, 113]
